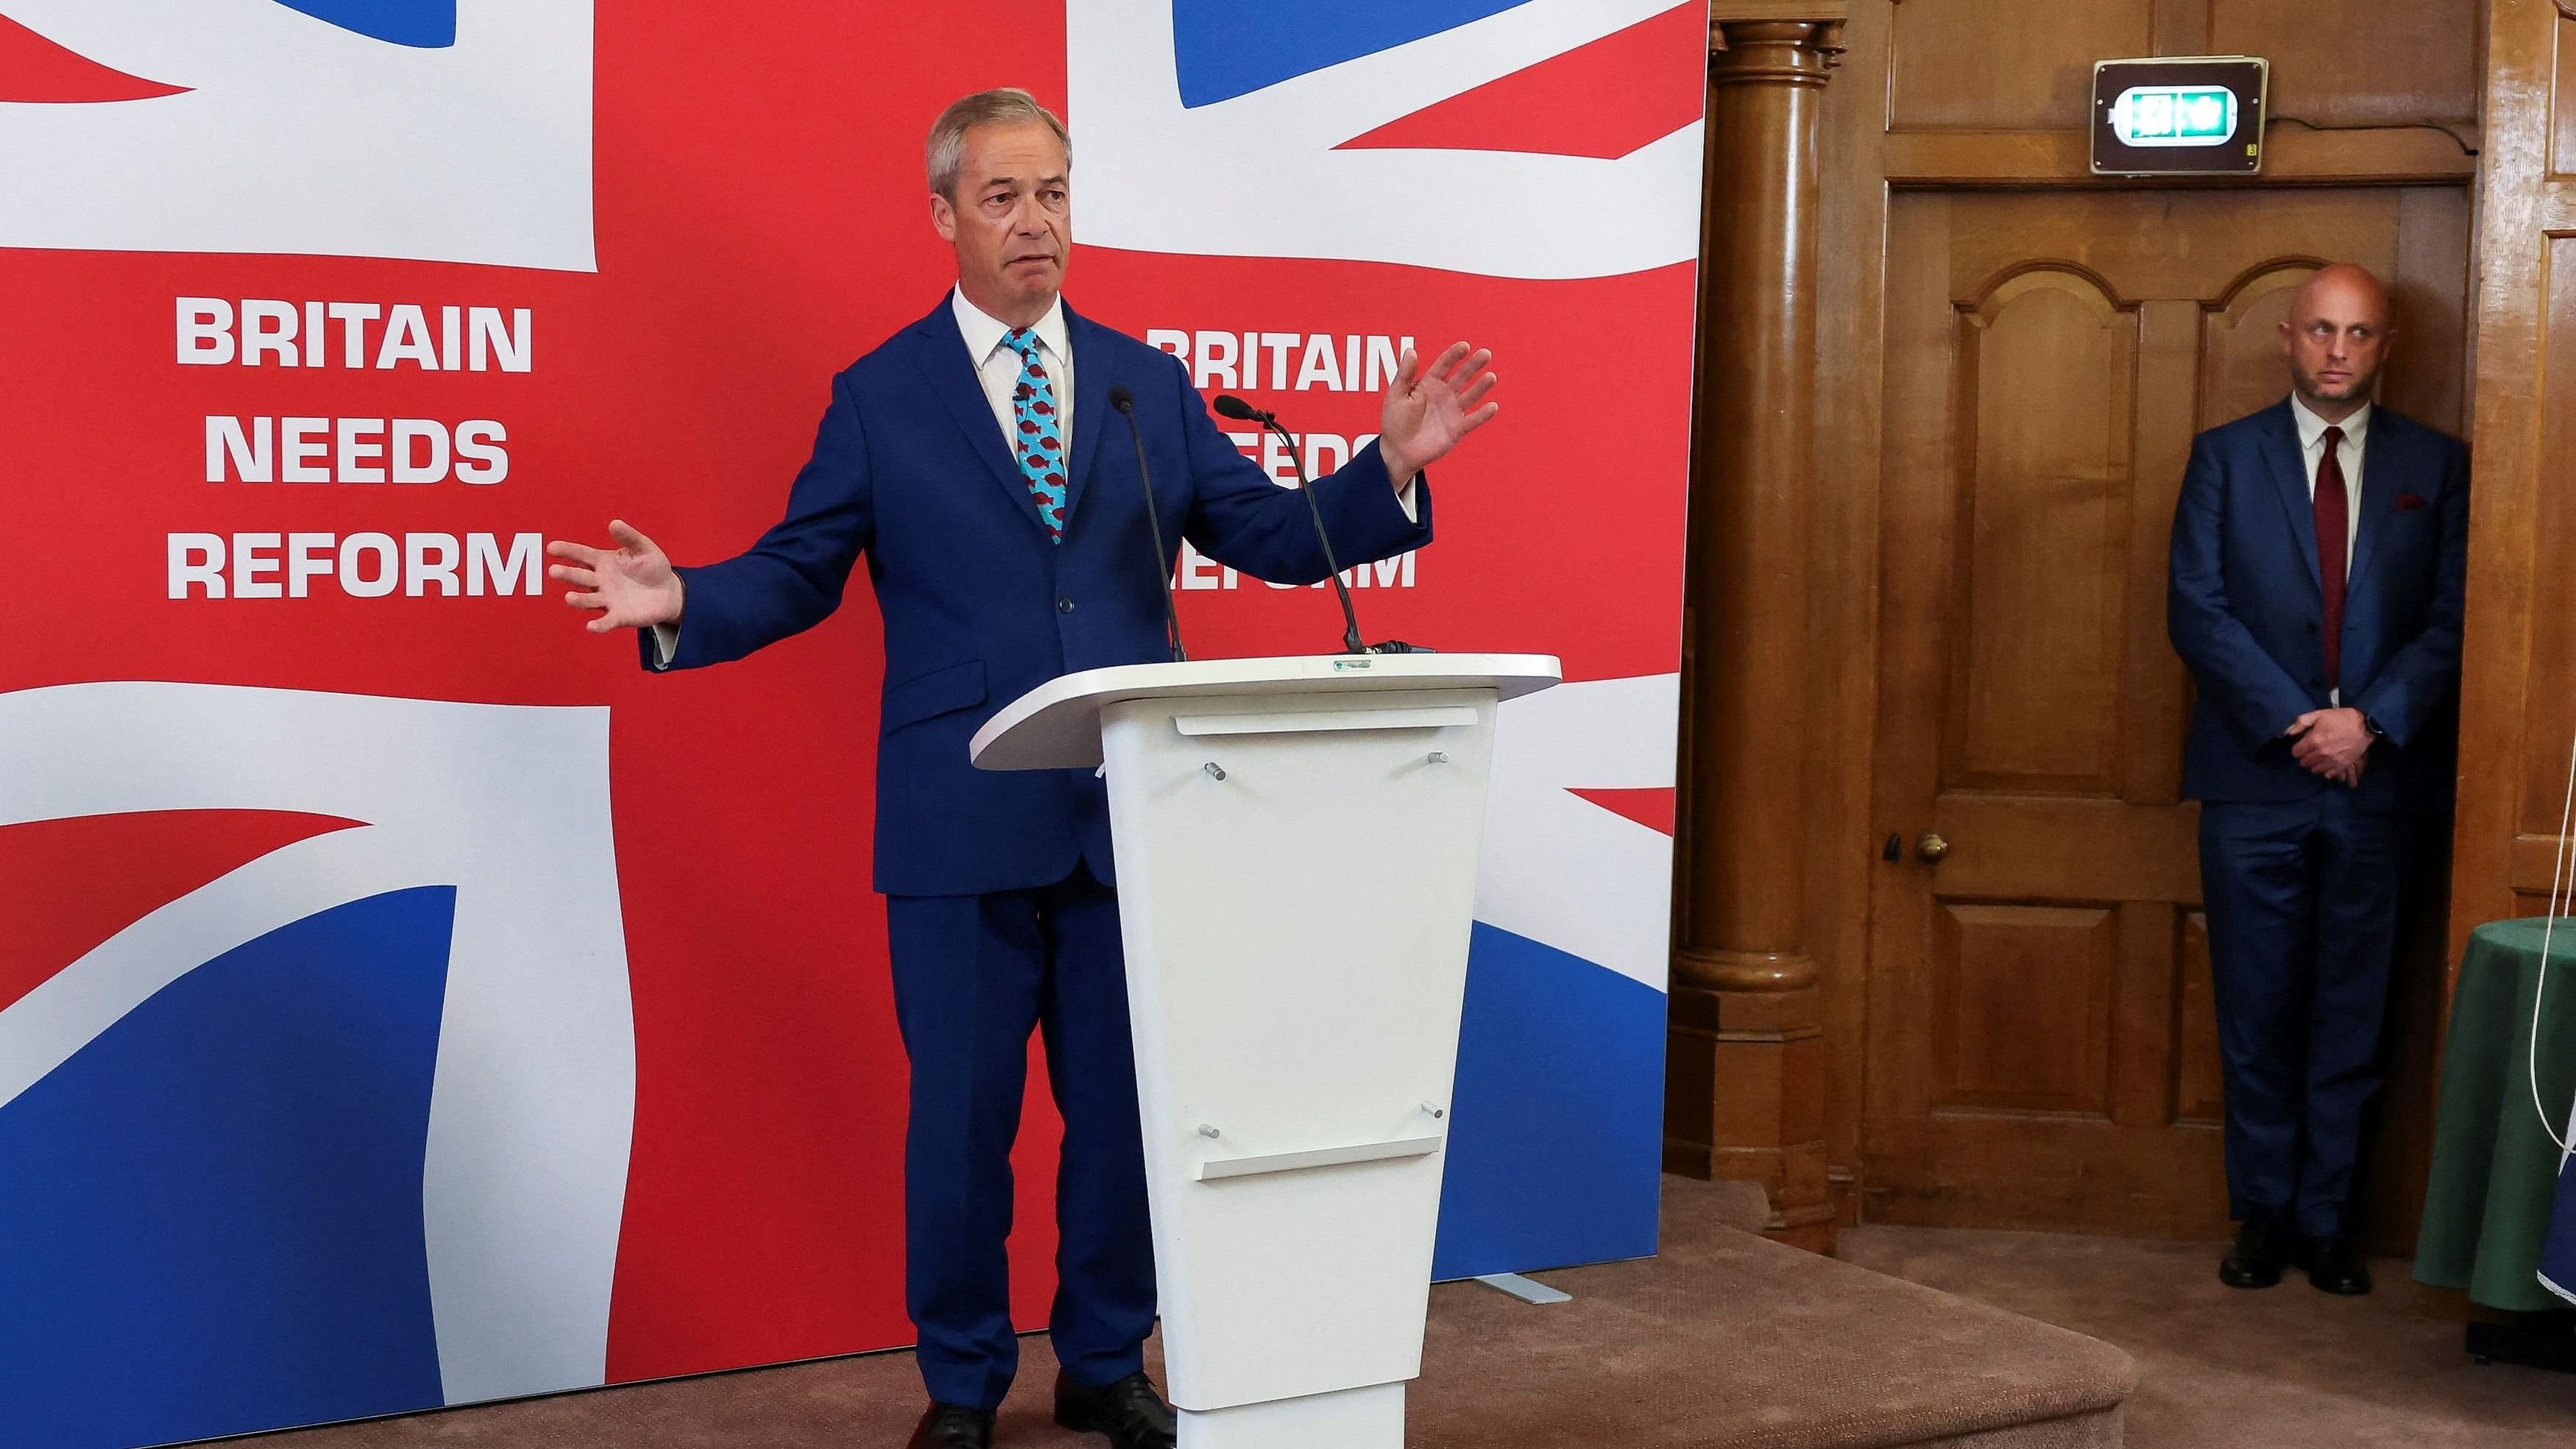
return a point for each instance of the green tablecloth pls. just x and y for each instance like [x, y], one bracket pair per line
[2495, 1171]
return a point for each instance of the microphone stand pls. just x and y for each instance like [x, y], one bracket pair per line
[1235, 407]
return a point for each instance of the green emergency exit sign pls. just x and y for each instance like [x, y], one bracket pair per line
[2174, 116]
[2179, 115]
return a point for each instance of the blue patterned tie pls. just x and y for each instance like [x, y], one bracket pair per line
[1038, 433]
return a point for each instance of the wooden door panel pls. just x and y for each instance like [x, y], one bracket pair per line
[2196, 1073]
[2042, 1042]
[2045, 362]
[2241, 341]
[2026, 1001]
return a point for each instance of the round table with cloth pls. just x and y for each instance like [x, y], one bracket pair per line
[2495, 1171]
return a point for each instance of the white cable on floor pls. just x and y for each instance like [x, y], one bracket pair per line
[2540, 984]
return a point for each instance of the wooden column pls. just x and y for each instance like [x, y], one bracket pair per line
[1746, 1084]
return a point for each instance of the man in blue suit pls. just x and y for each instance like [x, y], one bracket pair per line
[2320, 557]
[978, 459]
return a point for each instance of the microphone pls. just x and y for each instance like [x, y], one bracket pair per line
[1125, 402]
[1230, 406]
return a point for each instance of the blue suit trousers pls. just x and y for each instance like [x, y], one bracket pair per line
[973, 976]
[2303, 900]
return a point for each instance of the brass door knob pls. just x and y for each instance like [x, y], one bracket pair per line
[1931, 847]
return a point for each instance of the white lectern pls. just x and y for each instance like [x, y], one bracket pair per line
[1297, 843]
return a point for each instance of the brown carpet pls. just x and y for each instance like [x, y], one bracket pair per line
[1724, 1342]
[2283, 1368]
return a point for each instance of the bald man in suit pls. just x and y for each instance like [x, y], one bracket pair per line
[2320, 558]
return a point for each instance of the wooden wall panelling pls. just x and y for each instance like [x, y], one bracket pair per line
[2359, 62]
[1916, 440]
[2177, 241]
[2533, 90]
[1873, 138]
[2428, 375]
[2514, 669]
[2179, 27]
[2022, 65]
[1843, 570]
[1997, 65]
[2549, 699]
[1996, 92]
[2291, 157]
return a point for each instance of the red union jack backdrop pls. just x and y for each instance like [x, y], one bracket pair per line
[406, 1001]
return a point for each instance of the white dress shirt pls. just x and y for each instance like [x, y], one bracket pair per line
[2312, 452]
[997, 365]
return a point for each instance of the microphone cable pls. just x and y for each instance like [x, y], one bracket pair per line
[1125, 402]
[2561, 883]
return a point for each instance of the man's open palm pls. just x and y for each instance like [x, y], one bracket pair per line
[631, 586]
[1425, 415]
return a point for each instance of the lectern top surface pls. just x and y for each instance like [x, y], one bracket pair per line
[1057, 725]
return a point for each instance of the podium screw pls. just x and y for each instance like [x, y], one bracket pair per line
[1439, 757]
[1208, 1129]
[1217, 770]
[1436, 1112]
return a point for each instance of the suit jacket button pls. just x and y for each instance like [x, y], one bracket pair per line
[1064, 606]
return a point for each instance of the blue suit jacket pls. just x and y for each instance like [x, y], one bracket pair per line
[2246, 606]
[980, 607]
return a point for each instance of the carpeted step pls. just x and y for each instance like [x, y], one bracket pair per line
[1729, 1341]
[1726, 1341]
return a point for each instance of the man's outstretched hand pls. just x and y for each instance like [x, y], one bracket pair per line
[1426, 415]
[631, 586]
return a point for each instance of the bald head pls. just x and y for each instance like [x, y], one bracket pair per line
[2336, 337]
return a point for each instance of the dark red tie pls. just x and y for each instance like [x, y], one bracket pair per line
[2333, 509]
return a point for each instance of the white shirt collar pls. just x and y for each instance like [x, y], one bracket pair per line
[984, 332]
[2312, 428]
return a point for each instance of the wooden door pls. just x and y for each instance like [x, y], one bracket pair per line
[2041, 1049]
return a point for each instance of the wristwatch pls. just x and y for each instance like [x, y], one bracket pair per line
[2372, 725]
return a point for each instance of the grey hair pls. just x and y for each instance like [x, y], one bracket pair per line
[1006, 106]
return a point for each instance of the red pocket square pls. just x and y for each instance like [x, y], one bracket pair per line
[2407, 503]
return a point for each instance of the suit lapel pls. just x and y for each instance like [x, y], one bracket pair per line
[1090, 405]
[2290, 479]
[2383, 457]
[939, 351]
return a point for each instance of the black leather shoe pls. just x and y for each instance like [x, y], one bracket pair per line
[1128, 1411]
[2335, 1266]
[2261, 1251]
[947, 1426]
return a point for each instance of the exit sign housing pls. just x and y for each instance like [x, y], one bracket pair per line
[2179, 116]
